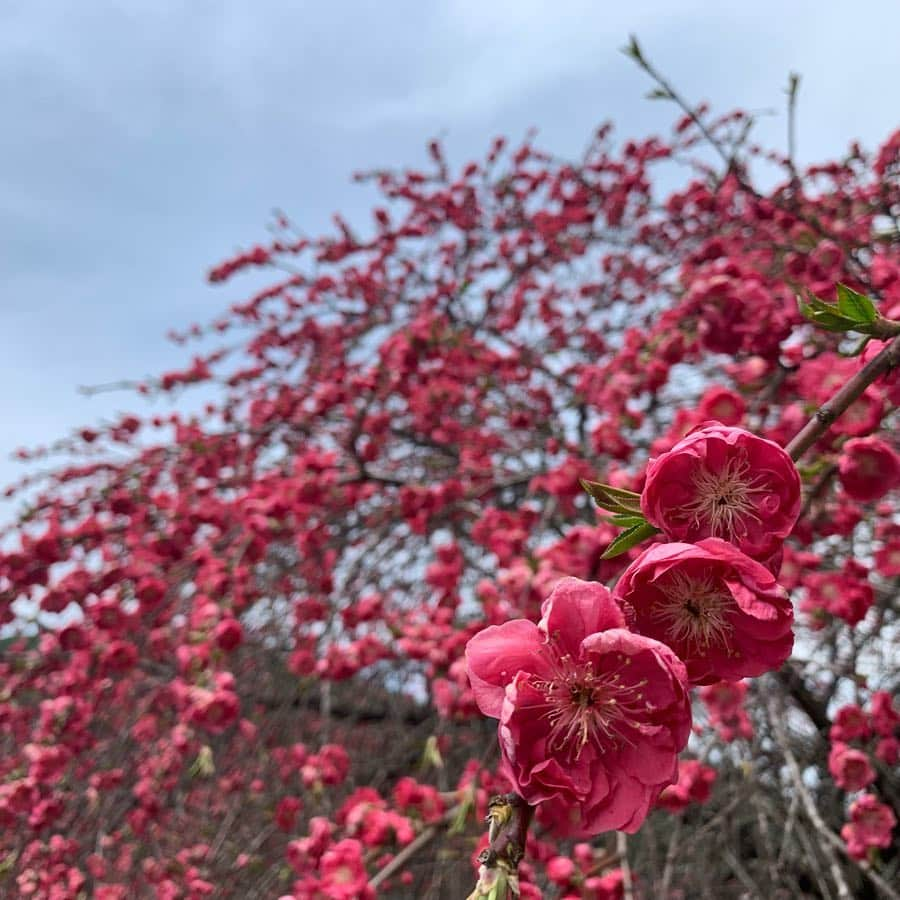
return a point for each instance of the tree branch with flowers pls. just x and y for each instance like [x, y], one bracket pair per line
[258, 650]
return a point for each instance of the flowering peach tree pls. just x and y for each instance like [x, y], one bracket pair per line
[537, 538]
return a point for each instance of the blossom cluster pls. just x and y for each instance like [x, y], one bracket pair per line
[593, 701]
[859, 738]
[229, 605]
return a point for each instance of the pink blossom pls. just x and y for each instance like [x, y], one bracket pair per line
[213, 710]
[882, 714]
[343, 874]
[724, 701]
[868, 468]
[850, 722]
[887, 559]
[727, 483]
[850, 768]
[720, 611]
[592, 716]
[870, 825]
[560, 870]
[229, 634]
[421, 798]
[722, 405]
[304, 851]
[694, 785]
[286, 812]
[888, 750]
[610, 886]
[846, 594]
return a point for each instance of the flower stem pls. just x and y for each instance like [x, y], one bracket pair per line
[508, 819]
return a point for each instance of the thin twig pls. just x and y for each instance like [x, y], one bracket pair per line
[742, 874]
[671, 853]
[624, 865]
[792, 88]
[410, 850]
[826, 415]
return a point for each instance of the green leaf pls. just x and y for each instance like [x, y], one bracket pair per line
[467, 804]
[833, 322]
[825, 315]
[856, 306]
[613, 499]
[633, 49]
[852, 312]
[620, 493]
[627, 521]
[628, 539]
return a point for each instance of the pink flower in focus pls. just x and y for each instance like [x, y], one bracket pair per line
[694, 785]
[592, 716]
[868, 468]
[723, 613]
[727, 483]
[870, 825]
[850, 768]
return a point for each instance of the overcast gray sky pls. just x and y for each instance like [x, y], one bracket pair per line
[145, 140]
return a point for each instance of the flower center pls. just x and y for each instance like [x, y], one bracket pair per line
[694, 612]
[583, 705]
[723, 500]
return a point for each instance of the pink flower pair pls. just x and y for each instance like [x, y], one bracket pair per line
[726, 499]
[593, 701]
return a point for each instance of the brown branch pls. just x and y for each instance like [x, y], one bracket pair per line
[421, 840]
[671, 855]
[508, 819]
[826, 415]
[817, 489]
[793, 683]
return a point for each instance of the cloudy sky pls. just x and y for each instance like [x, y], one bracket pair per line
[146, 140]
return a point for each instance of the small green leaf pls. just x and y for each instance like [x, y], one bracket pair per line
[856, 306]
[833, 322]
[628, 539]
[621, 494]
[825, 315]
[633, 49]
[627, 521]
[467, 804]
[613, 499]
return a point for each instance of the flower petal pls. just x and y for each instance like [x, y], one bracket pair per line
[495, 655]
[576, 609]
